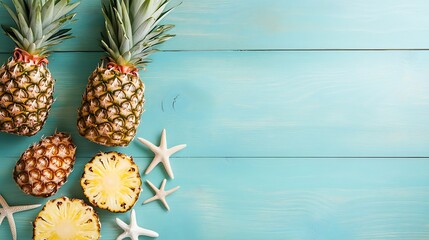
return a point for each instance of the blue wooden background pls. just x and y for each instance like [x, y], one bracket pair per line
[304, 120]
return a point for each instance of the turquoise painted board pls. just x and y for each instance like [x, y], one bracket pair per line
[270, 199]
[252, 118]
[274, 24]
[265, 104]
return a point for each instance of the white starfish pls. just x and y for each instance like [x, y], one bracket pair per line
[7, 211]
[160, 193]
[133, 231]
[162, 153]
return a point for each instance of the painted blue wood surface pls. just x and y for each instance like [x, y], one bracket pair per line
[362, 199]
[250, 119]
[265, 104]
[273, 24]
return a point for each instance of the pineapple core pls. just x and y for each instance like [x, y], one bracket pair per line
[65, 229]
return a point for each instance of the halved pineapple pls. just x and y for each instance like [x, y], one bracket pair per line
[45, 166]
[66, 219]
[112, 181]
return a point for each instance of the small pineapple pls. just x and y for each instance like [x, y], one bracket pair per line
[44, 167]
[112, 181]
[26, 84]
[113, 100]
[66, 219]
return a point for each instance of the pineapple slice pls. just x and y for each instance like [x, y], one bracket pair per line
[66, 219]
[112, 181]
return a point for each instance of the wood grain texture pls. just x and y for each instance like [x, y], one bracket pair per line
[272, 24]
[362, 199]
[275, 104]
[251, 119]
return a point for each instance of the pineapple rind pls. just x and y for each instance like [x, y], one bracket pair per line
[44, 167]
[112, 181]
[66, 219]
[26, 96]
[111, 107]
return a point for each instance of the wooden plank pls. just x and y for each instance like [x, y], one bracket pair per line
[272, 24]
[259, 104]
[264, 198]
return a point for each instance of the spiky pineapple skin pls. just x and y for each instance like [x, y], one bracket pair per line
[111, 108]
[71, 208]
[96, 188]
[26, 97]
[44, 167]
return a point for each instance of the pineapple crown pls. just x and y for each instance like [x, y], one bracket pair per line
[39, 24]
[132, 31]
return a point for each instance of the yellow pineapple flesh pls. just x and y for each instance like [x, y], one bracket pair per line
[66, 219]
[112, 181]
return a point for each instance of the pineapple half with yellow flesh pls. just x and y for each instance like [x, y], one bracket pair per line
[112, 181]
[26, 84]
[66, 219]
[113, 100]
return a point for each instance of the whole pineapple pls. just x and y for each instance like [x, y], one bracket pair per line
[26, 84]
[44, 167]
[113, 100]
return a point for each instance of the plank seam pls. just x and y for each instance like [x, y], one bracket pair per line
[265, 50]
[265, 157]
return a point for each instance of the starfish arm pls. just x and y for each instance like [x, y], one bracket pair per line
[150, 145]
[153, 164]
[165, 203]
[155, 189]
[2, 216]
[122, 224]
[147, 232]
[122, 236]
[163, 184]
[170, 191]
[167, 166]
[163, 143]
[12, 226]
[175, 149]
[24, 208]
[3, 202]
[151, 199]
[133, 221]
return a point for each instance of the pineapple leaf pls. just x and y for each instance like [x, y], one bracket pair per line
[36, 24]
[60, 33]
[21, 7]
[39, 24]
[139, 34]
[48, 11]
[16, 38]
[112, 42]
[132, 30]
[106, 48]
